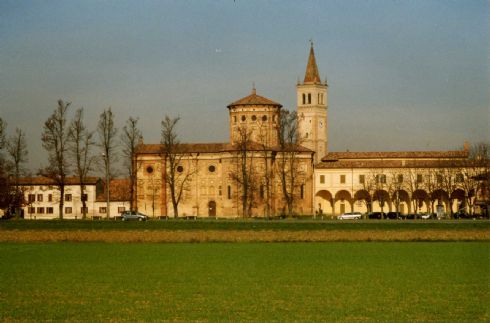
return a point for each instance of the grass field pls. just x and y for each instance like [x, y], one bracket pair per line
[378, 281]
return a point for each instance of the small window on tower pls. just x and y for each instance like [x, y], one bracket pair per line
[264, 118]
[244, 118]
[180, 169]
[309, 98]
[304, 98]
[254, 118]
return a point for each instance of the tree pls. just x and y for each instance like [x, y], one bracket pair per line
[81, 144]
[288, 162]
[3, 126]
[107, 143]
[244, 173]
[130, 138]
[177, 176]
[55, 141]
[4, 190]
[17, 151]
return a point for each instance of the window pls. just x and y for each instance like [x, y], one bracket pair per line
[381, 179]
[261, 191]
[244, 118]
[212, 168]
[439, 178]
[50, 197]
[302, 192]
[400, 178]
[419, 178]
[84, 197]
[102, 209]
[149, 169]
[362, 179]
[31, 210]
[309, 98]
[180, 169]
[322, 179]
[84, 208]
[264, 118]
[254, 117]
[304, 98]
[219, 190]
[39, 197]
[67, 197]
[342, 179]
[49, 210]
[32, 198]
[234, 119]
[229, 192]
[40, 210]
[459, 178]
[68, 210]
[121, 209]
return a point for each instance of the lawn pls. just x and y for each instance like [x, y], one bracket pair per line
[377, 281]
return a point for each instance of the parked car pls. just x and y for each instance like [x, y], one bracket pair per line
[350, 216]
[133, 215]
[393, 215]
[376, 215]
[427, 216]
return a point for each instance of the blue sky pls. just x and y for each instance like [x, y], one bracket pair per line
[403, 75]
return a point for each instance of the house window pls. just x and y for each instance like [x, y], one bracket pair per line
[49, 210]
[244, 118]
[304, 98]
[68, 210]
[219, 190]
[32, 198]
[400, 178]
[84, 208]
[419, 178]
[84, 197]
[322, 179]
[102, 209]
[362, 179]
[67, 197]
[234, 119]
[309, 98]
[39, 197]
[439, 178]
[50, 197]
[229, 192]
[459, 178]
[302, 191]
[40, 210]
[381, 179]
[31, 210]
[121, 209]
[342, 179]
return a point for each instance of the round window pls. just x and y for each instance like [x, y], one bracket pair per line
[254, 118]
[149, 169]
[180, 169]
[264, 118]
[244, 118]
[212, 169]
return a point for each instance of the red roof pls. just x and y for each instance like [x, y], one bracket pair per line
[119, 189]
[332, 156]
[41, 180]
[382, 163]
[254, 99]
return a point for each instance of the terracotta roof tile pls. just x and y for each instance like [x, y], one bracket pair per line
[395, 154]
[119, 191]
[72, 180]
[213, 148]
[394, 164]
[254, 99]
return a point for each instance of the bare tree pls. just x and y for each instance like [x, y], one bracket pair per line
[81, 144]
[268, 156]
[177, 176]
[17, 151]
[130, 138]
[288, 162]
[244, 172]
[3, 126]
[55, 141]
[107, 143]
[4, 187]
[413, 183]
[393, 185]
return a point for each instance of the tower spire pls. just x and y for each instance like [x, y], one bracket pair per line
[311, 75]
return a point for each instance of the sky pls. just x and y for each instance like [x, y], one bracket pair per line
[402, 75]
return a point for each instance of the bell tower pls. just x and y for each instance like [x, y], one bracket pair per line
[312, 105]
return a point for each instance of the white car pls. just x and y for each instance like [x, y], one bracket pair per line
[350, 216]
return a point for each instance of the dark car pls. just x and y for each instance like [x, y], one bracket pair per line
[133, 215]
[377, 215]
[393, 215]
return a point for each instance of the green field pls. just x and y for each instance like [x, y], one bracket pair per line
[245, 282]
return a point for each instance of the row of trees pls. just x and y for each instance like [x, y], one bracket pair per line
[73, 150]
[440, 182]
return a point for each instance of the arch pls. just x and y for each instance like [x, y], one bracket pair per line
[401, 201]
[324, 202]
[382, 199]
[340, 205]
[212, 208]
[419, 197]
[458, 194]
[363, 201]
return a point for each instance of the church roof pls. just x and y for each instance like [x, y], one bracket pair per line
[214, 148]
[382, 163]
[119, 191]
[350, 155]
[254, 99]
[311, 74]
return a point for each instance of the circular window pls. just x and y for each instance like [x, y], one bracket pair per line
[244, 118]
[264, 118]
[180, 169]
[212, 169]
[149, 169]
[254, 118]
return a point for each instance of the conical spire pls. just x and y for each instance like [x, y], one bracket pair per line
[311, 74]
